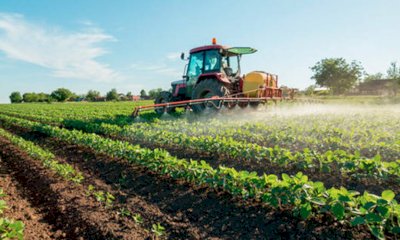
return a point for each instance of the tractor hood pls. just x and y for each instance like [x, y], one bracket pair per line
[241, 50]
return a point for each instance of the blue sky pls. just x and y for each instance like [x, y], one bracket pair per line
[134, 45]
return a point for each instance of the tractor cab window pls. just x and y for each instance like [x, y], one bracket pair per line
[230, 65]
[196, 64]
[212, 61]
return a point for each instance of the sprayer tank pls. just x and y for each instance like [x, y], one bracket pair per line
[253, 82]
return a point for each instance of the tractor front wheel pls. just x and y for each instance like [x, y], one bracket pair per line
[164, 97]
[206, 89]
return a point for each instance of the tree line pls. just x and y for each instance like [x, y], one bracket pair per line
[64, 95]
[339, 76]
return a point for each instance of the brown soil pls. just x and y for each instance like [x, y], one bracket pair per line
[60, 204]
[193, 212]
[21, 209]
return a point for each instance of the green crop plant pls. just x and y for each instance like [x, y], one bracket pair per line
[47, 158]
[137, 218]
[9, 229]
[90, 190]
[124, 212]
[158, 229]
[101, 196]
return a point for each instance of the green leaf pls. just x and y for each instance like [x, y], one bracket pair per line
[395, 230]
[373, 218]
[388, 195]
[305, 210]
[369, 205]
[384, 211]
[377, 232]
[285, 177]
[318, 200]
[338, 210]
[343, 198]
[357, 221]
[272, 178]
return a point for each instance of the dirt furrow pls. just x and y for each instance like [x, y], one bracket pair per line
[62, 204]
[114, 181]
[18, 208]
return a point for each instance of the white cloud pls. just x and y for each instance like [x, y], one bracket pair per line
[67, 55]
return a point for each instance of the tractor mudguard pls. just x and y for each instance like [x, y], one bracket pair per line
[219, 76]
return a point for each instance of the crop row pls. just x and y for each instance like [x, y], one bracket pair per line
[329, 161]
[47, 158]
[324, 132]
[87, 111]
[306, 198]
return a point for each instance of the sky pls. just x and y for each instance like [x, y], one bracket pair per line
[133, 45]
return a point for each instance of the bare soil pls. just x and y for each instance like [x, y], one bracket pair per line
[20, 208]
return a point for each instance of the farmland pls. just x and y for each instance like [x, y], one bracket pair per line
[317, 171]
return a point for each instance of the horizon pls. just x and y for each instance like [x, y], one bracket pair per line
[130, 46]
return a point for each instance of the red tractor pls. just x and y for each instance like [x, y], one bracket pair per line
[213, 79]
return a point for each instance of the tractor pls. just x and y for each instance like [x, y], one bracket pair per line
[213, 79]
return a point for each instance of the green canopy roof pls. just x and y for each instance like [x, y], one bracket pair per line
[241, 50]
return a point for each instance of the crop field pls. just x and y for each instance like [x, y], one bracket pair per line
[291, 171]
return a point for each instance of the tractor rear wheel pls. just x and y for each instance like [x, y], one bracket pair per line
[164, 97]
[206, 89]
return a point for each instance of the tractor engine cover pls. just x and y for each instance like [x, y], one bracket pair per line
[255, 81]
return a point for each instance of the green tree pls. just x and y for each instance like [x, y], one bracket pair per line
[61, 94]
[30, 97]
[336, 74]
[43, 97]
[92, 95]
[73, 97]
[153, 93]
[16, 97]
[112, 95]
[372, 77]
[143, 93]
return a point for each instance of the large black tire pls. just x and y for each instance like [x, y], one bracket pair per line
[206, 89]
[164, 97]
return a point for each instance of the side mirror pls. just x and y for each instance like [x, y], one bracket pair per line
[183, 56]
